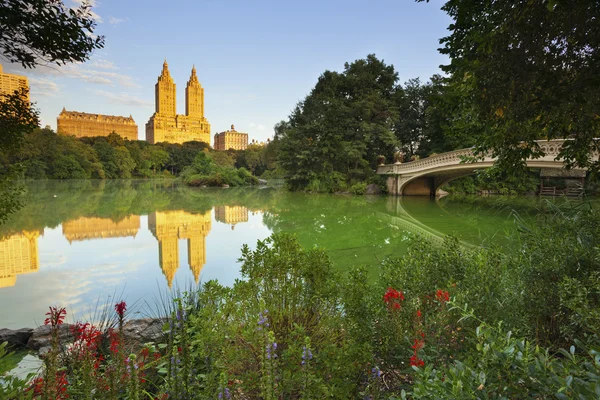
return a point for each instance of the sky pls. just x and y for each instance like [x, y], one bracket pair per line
[255, 59]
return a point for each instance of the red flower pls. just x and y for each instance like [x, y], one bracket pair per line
[419, 313]
[392, 293]
[393, 298]
[120, 308]
[418, 344]
[56, 316]
[442, 296]
[416, 361]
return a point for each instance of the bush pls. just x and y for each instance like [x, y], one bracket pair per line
[359, 188]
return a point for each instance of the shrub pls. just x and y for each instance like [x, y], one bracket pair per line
[359, 188]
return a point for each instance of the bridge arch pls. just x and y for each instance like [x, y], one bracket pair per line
[424, 177]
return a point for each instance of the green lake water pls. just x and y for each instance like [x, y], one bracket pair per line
[77, 243]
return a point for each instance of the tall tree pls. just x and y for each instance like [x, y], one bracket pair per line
[525, 70]
[337, 131]
[17, 118]
[34, 32]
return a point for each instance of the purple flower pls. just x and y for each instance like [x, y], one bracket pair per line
[271, 347]
[262, 319]
[306, 354]
[376, 372]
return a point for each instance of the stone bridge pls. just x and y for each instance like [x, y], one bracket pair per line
[425, 177]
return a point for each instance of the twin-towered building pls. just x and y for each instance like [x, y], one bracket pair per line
[165, 125]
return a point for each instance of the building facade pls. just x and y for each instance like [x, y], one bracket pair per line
[165, 125]
[81, 124]
[10, 82]
[231, 139]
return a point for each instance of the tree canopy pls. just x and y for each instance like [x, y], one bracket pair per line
[337, 131]
[34, 32]
[525, 70]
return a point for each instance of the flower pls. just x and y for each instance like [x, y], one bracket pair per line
[415, 361]
[120, 308]
[271, 347]
[393, 298]
[376, 372]
[262, 319]
[419, 313]
[306, 354]
[391, 294]
[418, 344]
[442, 296]
[56, 316]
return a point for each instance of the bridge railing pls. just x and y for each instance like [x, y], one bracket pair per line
[551, 148]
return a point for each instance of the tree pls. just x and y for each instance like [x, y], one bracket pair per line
[156, 156]
[35, 32]
[17, 118]
[526, 70]
[412, 103]
[338, 130]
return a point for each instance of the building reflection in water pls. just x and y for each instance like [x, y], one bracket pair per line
[231, 215]
[18, 255]
[170, 226]
[86, 228]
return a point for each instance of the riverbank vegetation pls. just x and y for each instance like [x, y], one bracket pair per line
[438, 322]
[45, 155]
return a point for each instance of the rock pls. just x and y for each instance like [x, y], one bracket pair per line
[372, 189]
[42, 336]
[140, 331]
[224, 185]
[16, 338]
[262, 181]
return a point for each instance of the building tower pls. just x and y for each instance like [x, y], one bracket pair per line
[194, 97]
[10, 82]
[165, 93]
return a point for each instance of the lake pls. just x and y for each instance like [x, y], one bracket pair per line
[78, 244]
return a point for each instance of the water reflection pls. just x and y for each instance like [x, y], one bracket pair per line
[18, 255]
[86, 240]
[170, 226]
[86, 228]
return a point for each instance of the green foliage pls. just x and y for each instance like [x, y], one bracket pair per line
[359, 188]
[503, 366]
[522, 71]
[38, 32]
[44, 154]
[341, 126]
[494, 180]
[561, 256]
[17, 119]
[206, 172]
[11, 387]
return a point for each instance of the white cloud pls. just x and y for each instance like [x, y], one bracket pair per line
[103, 64]
[42, 87]
[257, 127]
[124, 98]
[114, 21]
[102, 72]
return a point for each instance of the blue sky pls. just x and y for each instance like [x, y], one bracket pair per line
[255, 59]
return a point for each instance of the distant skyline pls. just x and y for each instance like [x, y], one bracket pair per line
[255, 60]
